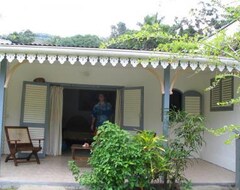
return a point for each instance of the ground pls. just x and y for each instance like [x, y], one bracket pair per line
[31, 187]
[54, 172]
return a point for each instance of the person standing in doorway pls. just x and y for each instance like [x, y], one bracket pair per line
[101, 112]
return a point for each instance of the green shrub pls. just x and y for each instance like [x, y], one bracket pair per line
[121, 161]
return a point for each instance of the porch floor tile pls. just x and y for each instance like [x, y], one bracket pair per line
[200, 171]
[51, 170]
[54, 170]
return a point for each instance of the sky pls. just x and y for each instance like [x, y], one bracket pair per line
[71, 17]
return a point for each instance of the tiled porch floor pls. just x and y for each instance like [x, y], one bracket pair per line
[51, 170]
[207, 173]
[54, 170]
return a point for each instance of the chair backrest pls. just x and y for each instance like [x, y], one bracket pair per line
[17, 133]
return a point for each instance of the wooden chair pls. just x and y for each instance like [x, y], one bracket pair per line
[18, 139]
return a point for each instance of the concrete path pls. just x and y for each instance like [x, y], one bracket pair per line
[48, 187]
[42, 187]
[211, 188]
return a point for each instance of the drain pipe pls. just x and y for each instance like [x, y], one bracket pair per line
[237, 180]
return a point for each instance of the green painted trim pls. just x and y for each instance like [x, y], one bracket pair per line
[86, 86]
[3, 71]
[166, 101]
[237, 177]
[47, 111]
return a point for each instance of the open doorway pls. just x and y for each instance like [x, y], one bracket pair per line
[77, 115]
[176, 100]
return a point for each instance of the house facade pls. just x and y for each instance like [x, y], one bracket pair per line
[145, 85]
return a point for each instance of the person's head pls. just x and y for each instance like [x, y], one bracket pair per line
[101, 97]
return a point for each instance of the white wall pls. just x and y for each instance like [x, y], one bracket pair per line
[86, 75]
[215, 150]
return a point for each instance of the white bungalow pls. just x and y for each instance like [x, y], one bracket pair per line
[138, 84]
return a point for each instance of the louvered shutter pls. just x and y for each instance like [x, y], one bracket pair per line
[222, 92]
[192, 101]
[227, 89]
[215, 96]
[35, 110]
[132, 109]
[37, 133]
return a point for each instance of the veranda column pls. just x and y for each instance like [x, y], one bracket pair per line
[237, 163]
[3, 70]
[166, 101]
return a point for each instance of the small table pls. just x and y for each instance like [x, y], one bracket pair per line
[75, 147]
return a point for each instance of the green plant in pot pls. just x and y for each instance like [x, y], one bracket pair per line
[185, 140]
[122, 161]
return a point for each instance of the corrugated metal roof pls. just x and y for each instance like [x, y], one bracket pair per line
[41, 44]
[5, 42]
[223, 28]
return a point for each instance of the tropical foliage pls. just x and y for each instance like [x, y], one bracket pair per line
[24, 37]
[186, 139]
[89, 41]
[120, 160]
[190, 36]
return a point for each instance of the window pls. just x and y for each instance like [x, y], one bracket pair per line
[34, 113]
[192, 101]
[222, 92]
[132, 108]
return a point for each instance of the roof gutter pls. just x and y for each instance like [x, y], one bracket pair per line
[135, 54]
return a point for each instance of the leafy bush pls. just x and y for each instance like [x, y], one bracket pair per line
[152, 152]
[121, 161]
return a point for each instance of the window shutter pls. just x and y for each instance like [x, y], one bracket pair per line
[222, 92]
[227, 92]
[35, 110]
[132, 108]
[192, 101]
[215, 96]
[35, 104]
[37, 133]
